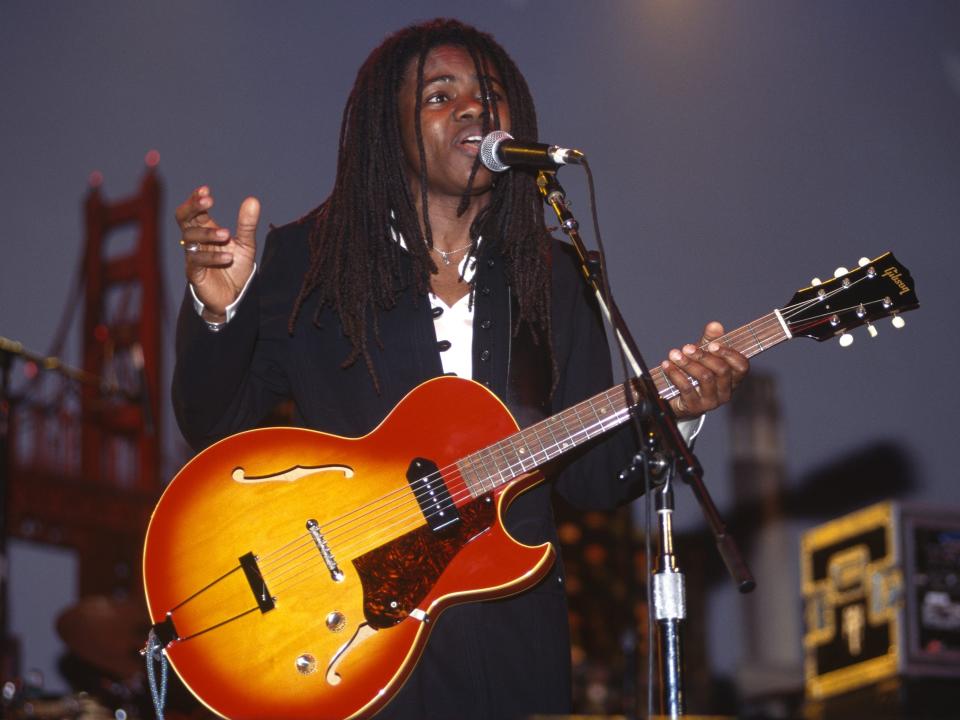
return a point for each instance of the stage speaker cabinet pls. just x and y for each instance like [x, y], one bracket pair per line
[881, 591]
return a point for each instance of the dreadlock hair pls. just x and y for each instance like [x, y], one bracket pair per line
[355, 267]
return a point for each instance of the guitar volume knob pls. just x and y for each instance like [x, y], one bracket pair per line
[335, 621]
[306, 664]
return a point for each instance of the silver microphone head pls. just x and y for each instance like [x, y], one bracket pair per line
[488, 150]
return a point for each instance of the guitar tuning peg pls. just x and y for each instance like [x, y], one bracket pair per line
[816, 281]
[840, 272]
[846, 340]
[897, 321]
[863, 262]
[872, 330]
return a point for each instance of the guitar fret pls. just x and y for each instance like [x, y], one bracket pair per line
[511, 457]
[564, 421]
[533, 433]
[488, 469]
[484, 457]
[468, 472]
[520, 457]
[600, 415]
[547, 425]
[482, 471]
[585, 427]
[505, 464]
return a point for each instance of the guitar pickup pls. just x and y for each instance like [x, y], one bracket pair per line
[432, 494]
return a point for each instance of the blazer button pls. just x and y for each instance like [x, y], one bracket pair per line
[490, 263]
[485, 355]
[485, 324]
[443, 345]
[485, 290]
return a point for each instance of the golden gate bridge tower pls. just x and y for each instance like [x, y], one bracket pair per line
[80, 448]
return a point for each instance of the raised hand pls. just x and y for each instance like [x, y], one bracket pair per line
[218, 263]
[705, 373]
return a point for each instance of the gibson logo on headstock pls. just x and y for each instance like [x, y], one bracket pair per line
[897, 279]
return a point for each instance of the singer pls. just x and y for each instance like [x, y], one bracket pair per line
[420, 263]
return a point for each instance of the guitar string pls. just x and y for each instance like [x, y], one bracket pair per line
[372, 539]
[411, 503]
[387, 522]
[412, 507]
[382, 508]
[388, 530]
[461, 485]
[338, 523]
[752, 328]
[770, 320]
[406, 500]
[303, 572]
[671, 390]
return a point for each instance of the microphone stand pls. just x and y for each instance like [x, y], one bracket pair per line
[670, 454]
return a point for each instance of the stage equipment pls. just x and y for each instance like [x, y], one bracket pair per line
[881, 590]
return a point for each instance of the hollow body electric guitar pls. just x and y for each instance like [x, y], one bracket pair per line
[295, 574]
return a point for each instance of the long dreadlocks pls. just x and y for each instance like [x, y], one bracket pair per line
[354, 267]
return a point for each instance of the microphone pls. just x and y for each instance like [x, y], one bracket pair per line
[499, 152]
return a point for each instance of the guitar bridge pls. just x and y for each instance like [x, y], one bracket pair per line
[265, 601]
[313, 527]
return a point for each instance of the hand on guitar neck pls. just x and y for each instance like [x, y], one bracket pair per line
[705, 374]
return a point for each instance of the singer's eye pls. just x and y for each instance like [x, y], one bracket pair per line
[437, 98]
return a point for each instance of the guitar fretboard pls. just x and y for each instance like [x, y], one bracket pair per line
[497, 464]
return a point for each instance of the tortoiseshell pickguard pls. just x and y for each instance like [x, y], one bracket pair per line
[399, 574]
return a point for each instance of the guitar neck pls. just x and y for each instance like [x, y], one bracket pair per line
[524, 451]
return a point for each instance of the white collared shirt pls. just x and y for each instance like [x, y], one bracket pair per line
[454, 324]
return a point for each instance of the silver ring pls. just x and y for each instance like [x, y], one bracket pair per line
[192, 247]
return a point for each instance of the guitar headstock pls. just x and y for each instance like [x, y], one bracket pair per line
[879, 288]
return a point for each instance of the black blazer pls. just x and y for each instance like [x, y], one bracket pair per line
[497, 659]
